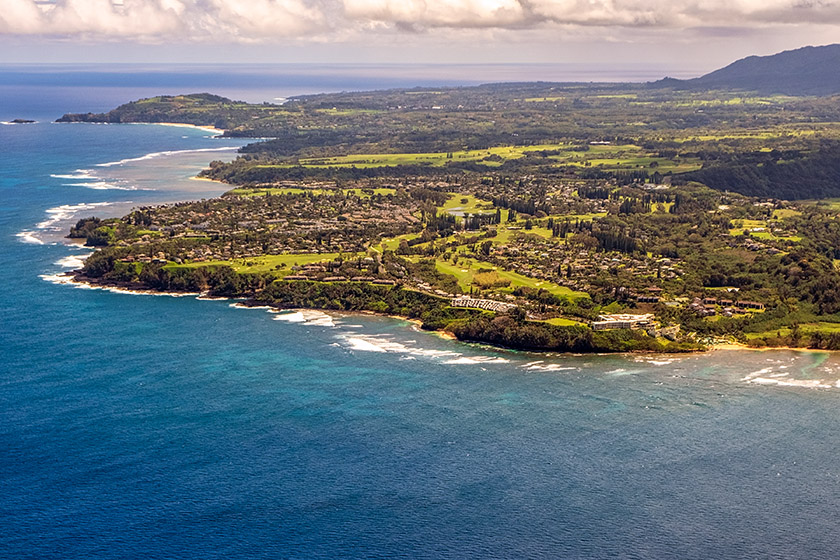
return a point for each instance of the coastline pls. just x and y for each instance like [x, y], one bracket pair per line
[738, 346]
[78, 280]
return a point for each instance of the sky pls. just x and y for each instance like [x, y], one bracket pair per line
[687, 37]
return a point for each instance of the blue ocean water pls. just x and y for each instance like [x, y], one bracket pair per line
[162, 427]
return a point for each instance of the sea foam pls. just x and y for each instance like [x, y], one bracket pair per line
[72, 261]
[153, 155]
[307, 317]
[29, 237]
[65, 212]
[102, 186]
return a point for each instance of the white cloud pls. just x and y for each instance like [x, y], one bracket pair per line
[226, 21]
[600, 13]
[207, 20]
[447, 13]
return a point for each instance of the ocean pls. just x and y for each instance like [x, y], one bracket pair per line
[135, 426]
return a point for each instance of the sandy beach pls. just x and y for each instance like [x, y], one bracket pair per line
[183, 125]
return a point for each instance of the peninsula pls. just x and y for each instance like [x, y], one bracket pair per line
[561, 217]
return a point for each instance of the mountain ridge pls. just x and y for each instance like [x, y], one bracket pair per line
[804, 71]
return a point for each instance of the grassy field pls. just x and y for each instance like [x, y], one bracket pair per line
[661, 207]
[805, 328]
[391, 243]
[785, 213]
[745, 226]
[563, 322]
[459, 205]
[608, 157]
[543, 99]
[316, 192]
[832, 204]
[266, 263]
[466, 269]
[618, 157]
[434, 159]
[348, 112]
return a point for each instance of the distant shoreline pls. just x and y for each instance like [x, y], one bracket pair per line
[212, 129]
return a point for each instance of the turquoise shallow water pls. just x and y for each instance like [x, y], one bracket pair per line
[144, 426]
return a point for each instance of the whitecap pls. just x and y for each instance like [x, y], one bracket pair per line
[65, 212]
[548, 367]
[238, 305]
[65, 278]
[101, 186]
[312, 317]
[72, 261]
[758, 373]
[378, 344]
[29, 237]
[364, 345]
[294, 317]
[80, 175]
[153, 155]
[806, 383]
[658, 361]
[465, 360]
[57, 278]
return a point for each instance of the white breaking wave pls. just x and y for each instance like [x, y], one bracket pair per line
[542, 366]
[68, 280]
[806, 383]
[166, 153]
[464, 360]
[365, 345]
[58, 279]
[80, 175]
[29, 237]
[237, 305]
[307, 317]
[72, 261]
[65, 212]
[54, 217]
[102, 186]
[381, 344]
[658, 361]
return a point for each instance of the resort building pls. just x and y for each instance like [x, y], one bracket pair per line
[623, 321]
[486, 304]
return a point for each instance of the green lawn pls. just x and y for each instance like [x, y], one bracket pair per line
[435, 159]
[563, 322]
[743, 227]
[784, 213]
[391, 243]
[266, 263]
[805, 328]
[466, 269]
[473, 205]
[316, 192]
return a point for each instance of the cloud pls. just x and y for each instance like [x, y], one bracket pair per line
[592, 13]
[440, 13]
[204, 20]
[226, 21]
